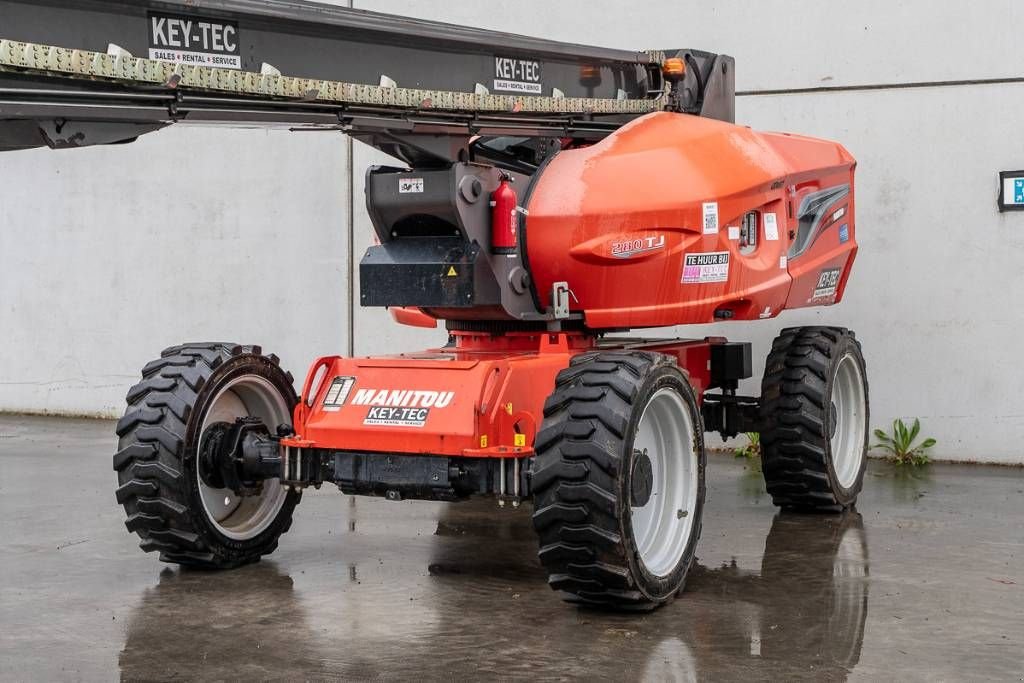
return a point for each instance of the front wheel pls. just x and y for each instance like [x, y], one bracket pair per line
[185, 397]
[618, 480]
[815, 402]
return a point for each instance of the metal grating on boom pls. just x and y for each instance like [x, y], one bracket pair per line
[126, 70]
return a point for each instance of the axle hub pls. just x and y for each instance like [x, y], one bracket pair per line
[239, 455]
[642, 479]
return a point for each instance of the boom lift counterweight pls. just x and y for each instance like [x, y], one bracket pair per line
[546, 197]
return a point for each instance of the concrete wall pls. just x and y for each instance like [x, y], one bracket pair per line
[106, 256]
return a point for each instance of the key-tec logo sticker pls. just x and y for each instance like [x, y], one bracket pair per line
[828, 281]
[523, 76]
[400, 407]
[194, 41]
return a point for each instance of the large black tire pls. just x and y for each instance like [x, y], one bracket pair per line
[800, 418]
[583, 479]
[156, 462]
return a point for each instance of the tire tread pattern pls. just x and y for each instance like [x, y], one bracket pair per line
[574, 477]
[795, 403]
[152, 486]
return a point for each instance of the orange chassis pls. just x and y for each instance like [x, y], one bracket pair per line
[480, 397]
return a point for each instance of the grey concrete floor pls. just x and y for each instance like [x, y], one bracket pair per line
[926, 582]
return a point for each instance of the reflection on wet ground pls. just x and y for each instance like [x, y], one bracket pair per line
[924, 582]
[488, 614]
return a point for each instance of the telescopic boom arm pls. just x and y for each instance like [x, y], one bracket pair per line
[81, 73]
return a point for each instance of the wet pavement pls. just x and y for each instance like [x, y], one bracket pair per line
[926, 582]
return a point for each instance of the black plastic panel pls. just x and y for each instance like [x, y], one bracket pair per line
[427, 272]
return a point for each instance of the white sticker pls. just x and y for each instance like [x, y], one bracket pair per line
[706, 267]
[1013, 189]
[338, 393]
[782, 262]
[734, 232]
[771, 228]
[766, 313]
[710, 218]
[409, 185]
[828, 281]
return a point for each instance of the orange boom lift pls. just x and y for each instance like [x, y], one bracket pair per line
[545, 200]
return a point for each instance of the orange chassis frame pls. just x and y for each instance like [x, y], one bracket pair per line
[483, 394]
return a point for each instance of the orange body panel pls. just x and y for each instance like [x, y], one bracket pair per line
[475, 401]
[482, 398]
[412, 317]
[617, 220]
[645, 227]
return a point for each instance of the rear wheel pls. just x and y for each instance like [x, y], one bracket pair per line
[185, 397]
[618, 480]
[815, 402]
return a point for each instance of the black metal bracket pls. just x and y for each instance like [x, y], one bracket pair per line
[401, 476]
[730, 363]
[730, 415]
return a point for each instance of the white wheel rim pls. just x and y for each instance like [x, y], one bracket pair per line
[244, 517]
[848, 411]
[663, 525]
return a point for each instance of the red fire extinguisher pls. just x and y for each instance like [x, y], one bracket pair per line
[504, 217]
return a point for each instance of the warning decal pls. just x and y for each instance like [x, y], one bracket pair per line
[706, 267]
[194, 41]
